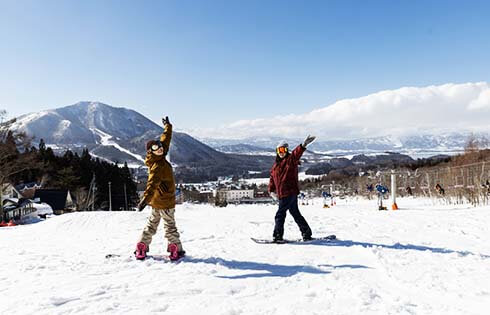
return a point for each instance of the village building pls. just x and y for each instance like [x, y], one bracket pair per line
[234, 195]
[19, 210]
[28, 189]
[9, 191]
[60, 200]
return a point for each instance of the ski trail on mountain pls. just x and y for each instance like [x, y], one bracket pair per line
[105, 139]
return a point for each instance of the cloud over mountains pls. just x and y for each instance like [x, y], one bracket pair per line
[404, 111]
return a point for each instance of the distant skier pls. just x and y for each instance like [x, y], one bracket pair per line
[408, 189]
[160, 194]
[439, 189]
[382, 190]
[283, 185]
[487, 186]
[370, 188]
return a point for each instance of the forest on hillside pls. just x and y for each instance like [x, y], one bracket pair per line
[20, 163]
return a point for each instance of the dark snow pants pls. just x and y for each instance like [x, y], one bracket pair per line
[290, 203]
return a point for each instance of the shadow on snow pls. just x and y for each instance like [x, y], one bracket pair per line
[265, 270]
[349, 243]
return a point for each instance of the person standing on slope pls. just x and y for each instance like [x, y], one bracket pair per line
[283, 185]
[160, 195]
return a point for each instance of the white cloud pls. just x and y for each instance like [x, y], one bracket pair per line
[403, 111]
[482, 102]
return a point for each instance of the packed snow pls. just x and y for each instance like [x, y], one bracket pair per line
[423, 259]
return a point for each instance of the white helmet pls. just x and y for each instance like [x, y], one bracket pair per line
[282, 143]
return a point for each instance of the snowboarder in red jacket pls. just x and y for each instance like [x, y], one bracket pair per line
[283, 185]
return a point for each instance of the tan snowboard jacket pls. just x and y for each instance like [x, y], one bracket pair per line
[160, 188]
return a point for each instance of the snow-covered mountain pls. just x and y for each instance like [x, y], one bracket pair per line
[115, 134]
[119, 134]
[416, 146]
[422, 145]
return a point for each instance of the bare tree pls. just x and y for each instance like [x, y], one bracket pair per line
[11, 161]
[471, 144]
[475, 143]
[81, 195]
[3, 114]
[10, 165]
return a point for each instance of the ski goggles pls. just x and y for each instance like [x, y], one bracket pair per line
[156, 146]
[282, 150]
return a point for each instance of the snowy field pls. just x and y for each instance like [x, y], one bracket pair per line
[422, 259]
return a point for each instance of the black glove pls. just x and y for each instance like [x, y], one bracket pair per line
[165, 121]
[141, 205]
[308, 140]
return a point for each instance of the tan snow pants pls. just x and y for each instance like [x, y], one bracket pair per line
[171, 232]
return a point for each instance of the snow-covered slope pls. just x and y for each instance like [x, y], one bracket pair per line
[78, 123]
[423, 259]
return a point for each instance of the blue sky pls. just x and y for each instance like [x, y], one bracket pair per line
[208, 63]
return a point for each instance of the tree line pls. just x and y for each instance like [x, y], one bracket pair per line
[20, 162]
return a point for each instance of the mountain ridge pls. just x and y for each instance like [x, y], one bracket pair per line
[119, 134]
[417, 146]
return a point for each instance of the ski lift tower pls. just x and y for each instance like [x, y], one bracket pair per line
[382, 190]
[393, 191]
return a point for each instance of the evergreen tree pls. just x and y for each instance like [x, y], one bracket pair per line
[69, 171]
[42, 146]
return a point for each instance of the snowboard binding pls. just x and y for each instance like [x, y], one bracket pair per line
[140, 252]
[175, 254]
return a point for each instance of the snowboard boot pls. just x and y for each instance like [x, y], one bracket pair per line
[277, 239]
[307, 237]
[175, 253]
[140, 252]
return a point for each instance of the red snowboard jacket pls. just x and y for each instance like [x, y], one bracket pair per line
[284, 174]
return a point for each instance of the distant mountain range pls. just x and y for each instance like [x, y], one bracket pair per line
[416, 146]
[120, 134]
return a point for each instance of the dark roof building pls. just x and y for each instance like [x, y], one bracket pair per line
[58, 199]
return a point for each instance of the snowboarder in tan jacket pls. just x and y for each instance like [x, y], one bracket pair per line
[160, 195]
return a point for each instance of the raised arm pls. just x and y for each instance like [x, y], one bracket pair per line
[166, 135]
[298, 152]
